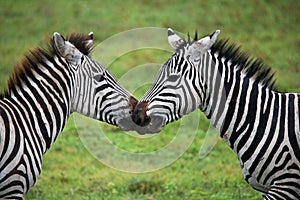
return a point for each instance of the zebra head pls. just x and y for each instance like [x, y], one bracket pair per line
[94, 91]
[175, 91]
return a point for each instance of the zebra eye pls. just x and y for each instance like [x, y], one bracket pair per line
[98, 77]
[173, 78]
[82, 58]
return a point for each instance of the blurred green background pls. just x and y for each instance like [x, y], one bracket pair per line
[268, 30]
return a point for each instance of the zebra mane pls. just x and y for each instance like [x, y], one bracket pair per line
[79, 41]
[33, 57]
[252, 67]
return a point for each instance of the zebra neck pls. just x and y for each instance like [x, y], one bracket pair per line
[234, 103]
[39, 107]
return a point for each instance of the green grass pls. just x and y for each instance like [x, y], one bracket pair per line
[268, 30]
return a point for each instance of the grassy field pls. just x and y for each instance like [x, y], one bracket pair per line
[268, 30]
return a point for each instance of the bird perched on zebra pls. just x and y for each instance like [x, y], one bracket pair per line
[45, 88]
[260, 124]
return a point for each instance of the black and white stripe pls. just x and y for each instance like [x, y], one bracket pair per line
[236, 93]
[43, 91]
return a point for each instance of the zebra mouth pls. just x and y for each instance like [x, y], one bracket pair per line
[153, 124]
[139, 121]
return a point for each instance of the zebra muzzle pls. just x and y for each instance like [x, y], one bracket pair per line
[139, 121]
[139, 115]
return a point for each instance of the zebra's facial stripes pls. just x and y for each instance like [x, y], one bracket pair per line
[95, 93]
[173, 94]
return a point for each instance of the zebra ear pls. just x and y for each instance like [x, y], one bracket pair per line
[59, 43]
[207, 42]
[66, 50]
[174, 40]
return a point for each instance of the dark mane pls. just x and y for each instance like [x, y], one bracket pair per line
[37, 55]
[251, 66]
[79, 41]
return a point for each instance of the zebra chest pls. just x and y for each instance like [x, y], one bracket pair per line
[251, 175]
[32, 161]
[22, 164]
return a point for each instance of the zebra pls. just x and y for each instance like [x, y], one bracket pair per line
[47, 86]
[237, 94]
